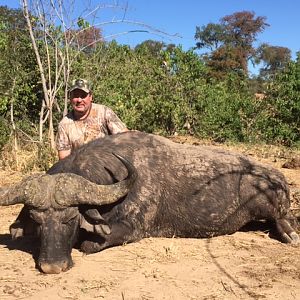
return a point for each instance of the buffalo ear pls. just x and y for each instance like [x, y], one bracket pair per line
[99, 229]
[94, 216]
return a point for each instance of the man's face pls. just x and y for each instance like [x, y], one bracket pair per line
[80, 101]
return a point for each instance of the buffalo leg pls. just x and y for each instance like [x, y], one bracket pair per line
[120, 234]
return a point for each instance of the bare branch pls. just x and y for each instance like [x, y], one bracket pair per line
[38, 58]
[150, 28]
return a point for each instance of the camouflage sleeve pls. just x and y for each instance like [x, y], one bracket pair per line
[62, 139]
[114, 124]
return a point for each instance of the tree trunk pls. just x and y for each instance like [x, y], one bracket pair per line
[46, 102]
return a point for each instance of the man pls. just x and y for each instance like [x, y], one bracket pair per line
[86, 121]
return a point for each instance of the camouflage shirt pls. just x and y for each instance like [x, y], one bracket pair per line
[101, 121]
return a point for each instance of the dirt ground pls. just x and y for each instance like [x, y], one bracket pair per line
[245, 265]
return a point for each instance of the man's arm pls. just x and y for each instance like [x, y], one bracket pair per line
[63, 153]
[62, 142]
[114, 124]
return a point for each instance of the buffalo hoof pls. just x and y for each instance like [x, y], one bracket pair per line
[288, 234]
[293, 238]
[90, 247]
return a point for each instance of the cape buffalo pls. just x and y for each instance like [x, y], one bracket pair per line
[128, 186]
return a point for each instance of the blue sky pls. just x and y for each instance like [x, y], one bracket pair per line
[182, 17]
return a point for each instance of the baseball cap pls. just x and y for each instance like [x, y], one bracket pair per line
[81, 84]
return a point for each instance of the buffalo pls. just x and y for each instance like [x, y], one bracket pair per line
[129, 186]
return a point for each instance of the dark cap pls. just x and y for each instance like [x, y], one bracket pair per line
[80, 84]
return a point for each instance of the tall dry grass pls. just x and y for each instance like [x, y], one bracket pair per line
[27, 157]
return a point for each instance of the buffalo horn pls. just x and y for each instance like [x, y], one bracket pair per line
[72, 189]
[27, 191]
[66, 189]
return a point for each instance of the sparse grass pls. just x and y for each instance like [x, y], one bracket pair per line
[256, 150]
[27, 158]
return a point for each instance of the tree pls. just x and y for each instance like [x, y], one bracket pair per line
[225, 60]
[85, 39]
[231, 41]
[18, 79]
[274, 58]
[283, 102]
[211, 36]
[52, 41]
[59, 40]
[154, 47]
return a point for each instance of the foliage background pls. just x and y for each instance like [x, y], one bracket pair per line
[155, 88]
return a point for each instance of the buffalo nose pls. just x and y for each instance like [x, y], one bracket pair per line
[53, 268]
